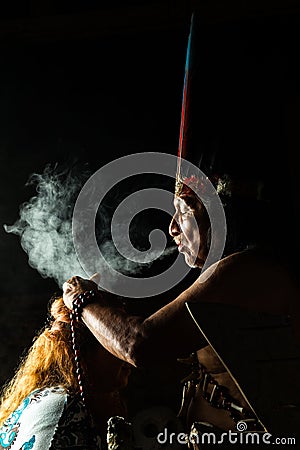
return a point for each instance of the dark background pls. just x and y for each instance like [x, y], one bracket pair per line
[91, 82]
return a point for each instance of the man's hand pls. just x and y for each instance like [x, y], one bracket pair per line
[75, 286]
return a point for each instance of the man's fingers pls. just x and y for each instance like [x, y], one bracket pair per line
[66, 287]
[96, 278]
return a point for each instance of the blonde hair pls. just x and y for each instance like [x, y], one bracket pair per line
[49, 362]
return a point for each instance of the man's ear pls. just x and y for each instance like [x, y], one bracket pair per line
[96, 278]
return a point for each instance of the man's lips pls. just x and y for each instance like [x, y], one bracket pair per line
[180, 247]
[183, 248]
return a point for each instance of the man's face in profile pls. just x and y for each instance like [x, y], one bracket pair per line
[190, 227]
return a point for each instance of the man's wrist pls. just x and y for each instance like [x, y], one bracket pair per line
[82, 300]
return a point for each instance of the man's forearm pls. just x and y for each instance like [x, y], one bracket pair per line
[118, 332]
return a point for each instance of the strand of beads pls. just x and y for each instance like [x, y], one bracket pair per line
[75, 315]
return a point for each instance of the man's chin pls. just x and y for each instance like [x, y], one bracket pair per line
[190, 260]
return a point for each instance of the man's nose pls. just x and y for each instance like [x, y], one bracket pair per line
[174, 228]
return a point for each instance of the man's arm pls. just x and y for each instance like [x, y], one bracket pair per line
[241, 280]
[165, 335]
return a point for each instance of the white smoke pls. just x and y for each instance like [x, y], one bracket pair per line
[45, 225]
[45, 228]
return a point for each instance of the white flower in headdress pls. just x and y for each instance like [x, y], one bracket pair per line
[224, 186]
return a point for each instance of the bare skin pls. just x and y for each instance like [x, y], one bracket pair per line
[189, 228]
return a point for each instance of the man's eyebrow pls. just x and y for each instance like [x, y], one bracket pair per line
[189, 200]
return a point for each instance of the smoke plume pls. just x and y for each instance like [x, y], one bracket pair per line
[45, 227]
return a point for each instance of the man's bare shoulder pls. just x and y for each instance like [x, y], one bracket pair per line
[249, 278]
[247, 262]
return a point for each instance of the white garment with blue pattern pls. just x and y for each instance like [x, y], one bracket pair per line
[48, 419]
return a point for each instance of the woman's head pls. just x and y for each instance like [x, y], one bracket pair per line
[99, 366]
[50, 361]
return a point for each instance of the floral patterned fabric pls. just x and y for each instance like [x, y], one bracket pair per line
[49, 419]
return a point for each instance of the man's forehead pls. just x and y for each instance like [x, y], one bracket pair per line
[187, 200]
